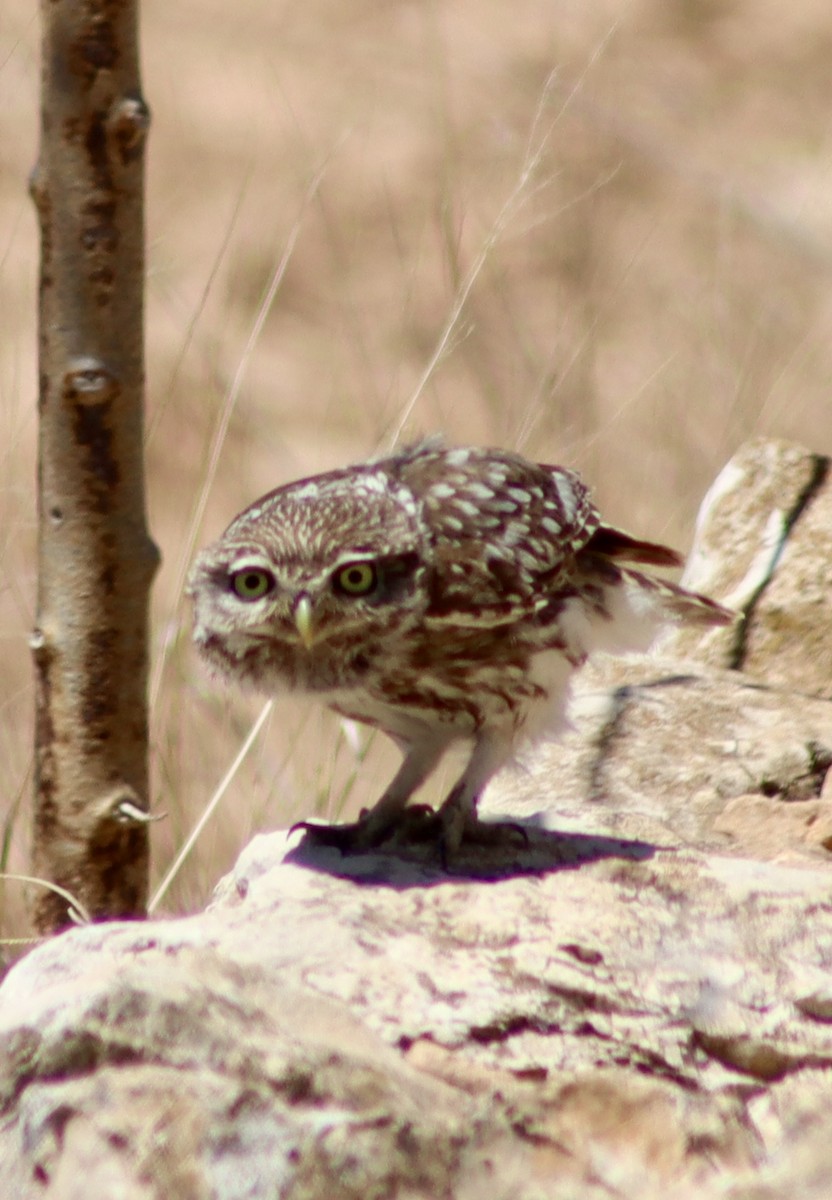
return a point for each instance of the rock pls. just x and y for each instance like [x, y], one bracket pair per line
[633, 1001]
[764, 546]
[714, 760]
[363, 1027]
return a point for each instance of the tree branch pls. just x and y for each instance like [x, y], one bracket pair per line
[96, 560]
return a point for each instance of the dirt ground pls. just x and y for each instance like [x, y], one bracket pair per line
[600, 233]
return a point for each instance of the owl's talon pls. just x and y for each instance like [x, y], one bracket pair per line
[353, 837]
[325, 835]
[417, 823]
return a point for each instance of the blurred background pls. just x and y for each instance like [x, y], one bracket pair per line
[598, 233]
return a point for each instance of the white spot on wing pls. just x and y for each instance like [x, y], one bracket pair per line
[466, 507]
[567, 492]
[481, 491]
[551, 525]
[441, 491]
[520, 494]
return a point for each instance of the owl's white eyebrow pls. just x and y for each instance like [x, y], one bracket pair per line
[352, 556]
[247, 560]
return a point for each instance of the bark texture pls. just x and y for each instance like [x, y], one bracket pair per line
[96, 560]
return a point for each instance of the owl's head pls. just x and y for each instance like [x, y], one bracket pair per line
[308, 572]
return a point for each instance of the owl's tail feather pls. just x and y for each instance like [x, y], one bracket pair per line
[680, 604]
[614, 544]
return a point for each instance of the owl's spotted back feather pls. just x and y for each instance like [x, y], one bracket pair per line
[438, 593]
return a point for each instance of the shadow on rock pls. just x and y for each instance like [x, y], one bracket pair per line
[513, 849]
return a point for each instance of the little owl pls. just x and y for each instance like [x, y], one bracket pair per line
[437, 594]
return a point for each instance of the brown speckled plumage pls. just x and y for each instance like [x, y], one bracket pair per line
[437, 594]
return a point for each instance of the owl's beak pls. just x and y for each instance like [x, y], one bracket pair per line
[303, 620]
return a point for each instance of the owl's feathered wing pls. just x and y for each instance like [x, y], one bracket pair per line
[516, 535]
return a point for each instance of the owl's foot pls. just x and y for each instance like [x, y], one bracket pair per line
[417, 823]
[346, 838]
[461, 830]
[449, 829]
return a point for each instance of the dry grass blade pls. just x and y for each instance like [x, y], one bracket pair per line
[210, 808]
[76, 911]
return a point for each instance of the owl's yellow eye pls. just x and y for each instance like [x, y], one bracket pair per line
[356, 579]
[252, 583]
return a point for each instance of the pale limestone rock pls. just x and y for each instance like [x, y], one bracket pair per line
[357, 1027]
[764, 546]
[660, 752]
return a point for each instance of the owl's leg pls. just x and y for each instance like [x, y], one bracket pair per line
[458, 813]
[420, 758]
[378, 824]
